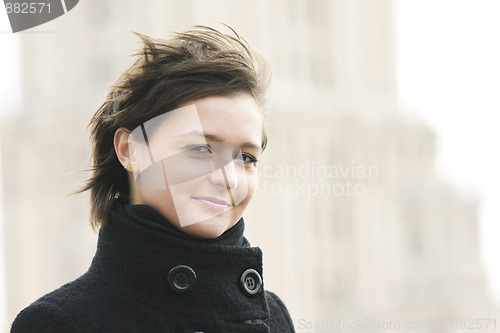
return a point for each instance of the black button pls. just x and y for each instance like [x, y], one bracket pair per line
[181, 278]
[251, 282]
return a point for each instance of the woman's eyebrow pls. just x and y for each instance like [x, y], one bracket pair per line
[216, 138]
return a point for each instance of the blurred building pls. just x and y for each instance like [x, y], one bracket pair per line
[353, 224]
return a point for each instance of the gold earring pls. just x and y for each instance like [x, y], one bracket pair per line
[130, 168]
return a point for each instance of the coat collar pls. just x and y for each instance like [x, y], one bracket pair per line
[135, 255]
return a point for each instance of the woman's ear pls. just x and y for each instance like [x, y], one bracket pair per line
[121, 144]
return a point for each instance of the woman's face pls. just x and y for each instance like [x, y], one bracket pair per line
[196, 165]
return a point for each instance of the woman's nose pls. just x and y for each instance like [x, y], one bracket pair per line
[225, 176]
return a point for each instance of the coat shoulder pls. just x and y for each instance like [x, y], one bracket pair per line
[280, 317]
[44, 316]
[56, 311]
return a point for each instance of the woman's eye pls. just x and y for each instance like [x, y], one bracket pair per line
[246, 158]
[199, 149]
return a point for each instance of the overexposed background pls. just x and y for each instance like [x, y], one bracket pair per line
[449, 73]
[402, 74]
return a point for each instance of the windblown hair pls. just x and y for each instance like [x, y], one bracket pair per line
[194, 64]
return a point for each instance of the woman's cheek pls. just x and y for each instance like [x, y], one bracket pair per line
[252, 182]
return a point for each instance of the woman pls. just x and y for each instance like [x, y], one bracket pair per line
[175, 151]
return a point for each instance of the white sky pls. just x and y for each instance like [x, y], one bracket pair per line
[449, 72]
[9, 97]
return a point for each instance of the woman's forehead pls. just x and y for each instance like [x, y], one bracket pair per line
[231, 119]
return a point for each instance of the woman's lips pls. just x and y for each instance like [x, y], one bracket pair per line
[213, 203]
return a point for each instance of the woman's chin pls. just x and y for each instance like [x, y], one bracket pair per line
[206, 229]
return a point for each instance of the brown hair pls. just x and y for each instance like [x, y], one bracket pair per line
[194, 64]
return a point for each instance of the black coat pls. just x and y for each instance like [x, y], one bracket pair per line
[143, 279]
